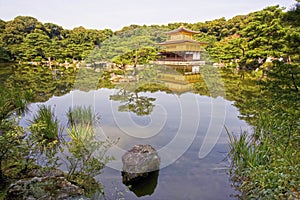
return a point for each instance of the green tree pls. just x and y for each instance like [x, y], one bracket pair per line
[53, 30]
[35, 47]
[265, 164]
[4, 55]
[2, 26]
[16, 30]
[265, 33]
[126, 43]
[229, 48]
[292, 38]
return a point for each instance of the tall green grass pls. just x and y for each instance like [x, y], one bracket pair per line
[45, 130]
[44, 141]
[86, 155]
[265, 164]
[82, 116]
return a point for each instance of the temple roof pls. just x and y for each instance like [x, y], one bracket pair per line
[181, 41]
[181, 29]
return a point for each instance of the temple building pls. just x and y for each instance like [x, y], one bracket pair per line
[181, 50]
[181, 59]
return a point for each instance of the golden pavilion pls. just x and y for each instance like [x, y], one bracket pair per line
[181, 50]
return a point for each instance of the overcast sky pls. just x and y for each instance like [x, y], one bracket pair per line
[115, 14]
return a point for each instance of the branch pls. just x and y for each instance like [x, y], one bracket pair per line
[294, 83]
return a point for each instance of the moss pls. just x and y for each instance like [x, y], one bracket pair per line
[88, 183]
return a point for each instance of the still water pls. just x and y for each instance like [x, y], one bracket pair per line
[185, 126]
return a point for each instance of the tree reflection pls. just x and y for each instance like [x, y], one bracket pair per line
[43, 82]
[133, 102]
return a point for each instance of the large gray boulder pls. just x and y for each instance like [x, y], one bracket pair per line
[139, 162]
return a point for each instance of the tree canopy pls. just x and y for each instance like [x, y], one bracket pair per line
[26, 39]
[271, 32]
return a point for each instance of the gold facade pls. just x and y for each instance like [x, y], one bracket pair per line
[181, 50]
[180, 37]
[186, 46]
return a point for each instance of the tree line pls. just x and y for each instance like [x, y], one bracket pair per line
[26, 39]
[244, 40]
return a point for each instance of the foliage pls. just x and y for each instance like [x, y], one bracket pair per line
[104, 81]
[131, 45]
[40, 82]
[81, 115]
[259, 34]
[133, 102]
[141, 105]
[34, 47]
[45, 132]
[20, 153]
[265, 33]
[4, 54]
[26, 39]
[91, 187]
[229, 48]
[12, 104]
[84, 150]
[131, 97]
[243, 89]
[283, 79]
[11, 138]
[86, 155]
[265, 164]
[210, 83]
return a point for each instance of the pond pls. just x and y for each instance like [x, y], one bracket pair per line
[184, 116]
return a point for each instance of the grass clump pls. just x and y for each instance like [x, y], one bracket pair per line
[265, 164]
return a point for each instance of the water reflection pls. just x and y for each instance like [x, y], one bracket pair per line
[133, 102]
[44, 82]
[145, 186]
[179, 81]
[155, 105]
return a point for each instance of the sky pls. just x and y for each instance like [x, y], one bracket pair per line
[115, 14]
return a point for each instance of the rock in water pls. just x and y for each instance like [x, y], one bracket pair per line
[138, 162]
[42, 188]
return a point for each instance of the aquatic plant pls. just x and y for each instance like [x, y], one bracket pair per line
[79, 115]
[45, 130]
[86, 155]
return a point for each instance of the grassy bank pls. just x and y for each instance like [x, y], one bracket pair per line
[265, 164]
